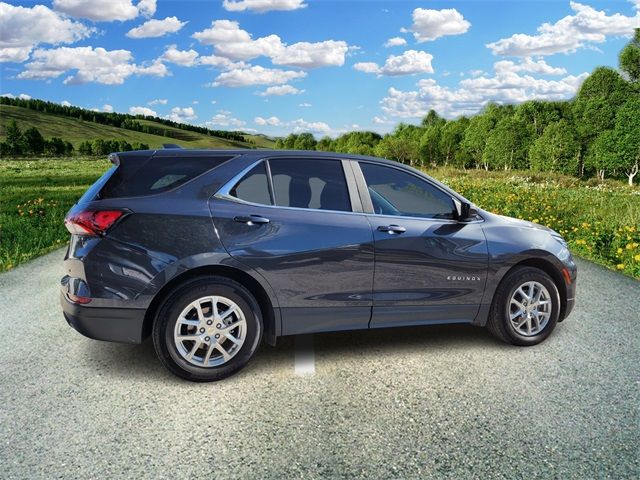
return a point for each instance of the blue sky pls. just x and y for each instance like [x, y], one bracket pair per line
[278, 66]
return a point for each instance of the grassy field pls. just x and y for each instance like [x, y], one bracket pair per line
[77, 131]
[600, 221]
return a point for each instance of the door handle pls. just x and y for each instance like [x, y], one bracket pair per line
[391, 229]
[251, 219]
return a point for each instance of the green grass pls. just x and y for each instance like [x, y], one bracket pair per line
[77, 131]
[600, 221]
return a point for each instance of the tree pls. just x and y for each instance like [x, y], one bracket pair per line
[539, 113]
[630, 58]
[325, 144]
[305, 141]
[359, 143]
[508, 145]
[290, 141]
[430, 144]
[398, 149]
[409, 136]
[627, 138]
[33, 141]
[14, 139]
[557, 150]
[100, 147]
[432, 118]
[55, 146]
[601, 156]
[451, 139]
[475, 138]
[85, 148]
[598, 99]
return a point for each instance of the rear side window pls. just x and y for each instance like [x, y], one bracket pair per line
[312, 183]
[137, 176]
[254, 186]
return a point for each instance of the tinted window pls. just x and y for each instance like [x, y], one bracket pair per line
[312, 183]
[254, 186]
[137, 175]
[394, 192]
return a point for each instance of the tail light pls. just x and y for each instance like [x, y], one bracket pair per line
[94, 223]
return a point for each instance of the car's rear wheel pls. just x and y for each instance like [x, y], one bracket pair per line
[525, 308]
[207, 329]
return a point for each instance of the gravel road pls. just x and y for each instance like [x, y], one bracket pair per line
[443, 402]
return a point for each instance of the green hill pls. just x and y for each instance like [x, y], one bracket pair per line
[76, 131]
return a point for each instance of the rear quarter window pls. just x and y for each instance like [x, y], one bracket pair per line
[136, 177]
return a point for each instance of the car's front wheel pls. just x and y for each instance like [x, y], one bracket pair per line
[207, 329]
[525, 308]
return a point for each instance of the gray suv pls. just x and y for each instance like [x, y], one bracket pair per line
[210, 252]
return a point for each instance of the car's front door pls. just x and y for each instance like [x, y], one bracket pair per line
[429, 268]
[296, 222]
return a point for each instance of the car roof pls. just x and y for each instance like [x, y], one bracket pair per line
[257, 153]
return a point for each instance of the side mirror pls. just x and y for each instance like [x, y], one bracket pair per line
[464, 210]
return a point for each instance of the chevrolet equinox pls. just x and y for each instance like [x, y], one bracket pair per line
[211, 251]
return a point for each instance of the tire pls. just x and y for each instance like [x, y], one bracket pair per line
[179, 320]
[502, 308]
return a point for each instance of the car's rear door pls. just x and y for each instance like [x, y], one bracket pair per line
[429, 267]
[298, 222]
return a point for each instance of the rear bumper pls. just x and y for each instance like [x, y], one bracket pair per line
[110, 324]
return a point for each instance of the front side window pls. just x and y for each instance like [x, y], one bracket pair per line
[394, 192]
[310, 183]
[254, 186]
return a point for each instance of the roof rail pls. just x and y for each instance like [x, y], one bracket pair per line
[170, 145]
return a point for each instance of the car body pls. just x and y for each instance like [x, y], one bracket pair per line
[312, 236]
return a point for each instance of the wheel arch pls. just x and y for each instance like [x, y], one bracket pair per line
[270, 313]
[550, 269]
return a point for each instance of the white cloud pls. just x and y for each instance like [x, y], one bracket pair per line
[272, 121]
[280, 90]
[432, 24]
[300, 125]
[395, 42]
[409, 63]
[367, 67]
[256, 75]
[142, 111]
[105, 10]
[154, 69]
[22, 29]
[158, 101]
[382, 121]
[147, 7]
[90, 65]
[220, 62]
[186, 58]
[311, 55]
[224, 119]
[65, 103]
[182, 114]
[304, 105]
[528, 65]
[262, 6]
[22, 96]
[586, 27]
[107, 108]
[474, 93]
[232, 42]
[156, 28]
